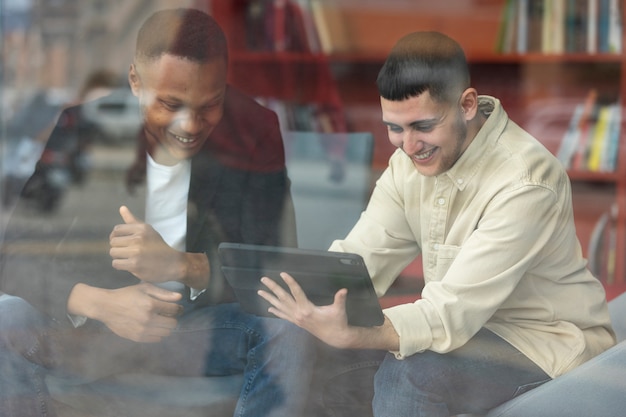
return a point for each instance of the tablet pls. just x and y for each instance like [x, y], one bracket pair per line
[320, 274]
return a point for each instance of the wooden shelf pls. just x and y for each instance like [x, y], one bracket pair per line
[263, 57]
[588, 176]
[492, 58]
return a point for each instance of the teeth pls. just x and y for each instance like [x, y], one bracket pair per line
[183, 139]
[424, 155]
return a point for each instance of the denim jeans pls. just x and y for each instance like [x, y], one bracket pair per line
[343, 382]
[275, 357]
[474, 378]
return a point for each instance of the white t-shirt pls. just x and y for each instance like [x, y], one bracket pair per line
[166, 206]
[166, 200]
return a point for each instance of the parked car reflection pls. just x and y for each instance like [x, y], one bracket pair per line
[116, 117]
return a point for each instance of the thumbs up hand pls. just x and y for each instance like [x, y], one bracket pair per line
[128, 216]
[139, 249]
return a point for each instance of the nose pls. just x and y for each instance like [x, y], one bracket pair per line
[190, 122]
[411, 143]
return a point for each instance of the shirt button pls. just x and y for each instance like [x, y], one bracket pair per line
[436, 246]
[459, 181]
[441, 201]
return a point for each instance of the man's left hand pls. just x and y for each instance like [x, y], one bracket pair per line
[328, 323]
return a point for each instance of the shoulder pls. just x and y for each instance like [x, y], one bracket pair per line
[512, 154]
[530, 159]
[241, 106]
[248, 136]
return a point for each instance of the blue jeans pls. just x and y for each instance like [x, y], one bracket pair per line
[474, 378]
[275, 357]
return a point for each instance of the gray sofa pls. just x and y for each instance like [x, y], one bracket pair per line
[596, 388]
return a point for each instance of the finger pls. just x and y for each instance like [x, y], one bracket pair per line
[295, 288]
[162, 294]
[122, 264]
[276, 289]
[123, 230]
[269, 297]
[169, 309]
[340, 298]
[128, 216]
[275, 305]
[119, 251]
[278, 313]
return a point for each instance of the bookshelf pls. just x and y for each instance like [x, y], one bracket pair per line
[275, 54]
[539, 86]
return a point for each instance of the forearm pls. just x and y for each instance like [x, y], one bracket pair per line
[85, 301]
[382, 337]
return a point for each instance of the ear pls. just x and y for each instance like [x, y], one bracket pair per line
[134, 80]
[469, 103]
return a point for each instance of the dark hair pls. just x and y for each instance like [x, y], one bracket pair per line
[186, 33]
[424, 61]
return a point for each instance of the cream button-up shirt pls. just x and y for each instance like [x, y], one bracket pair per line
[499, 247]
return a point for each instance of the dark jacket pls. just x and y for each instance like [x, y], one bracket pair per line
[239, 192]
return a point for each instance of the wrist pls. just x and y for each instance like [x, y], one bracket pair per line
[195, 270]
[383, 337]
[83, 301]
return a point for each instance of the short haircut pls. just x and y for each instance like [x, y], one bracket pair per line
[185, 33]
[424, 61]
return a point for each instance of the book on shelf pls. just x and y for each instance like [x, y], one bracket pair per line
[579, 162]
[535, 22]
[591, 141]
[574, 142]
[303, 8]
[569, 143]
[615, 27]
[576, 20]
[609, 26]
[560, 26]
[280, 26]
[331, 27]
[592, 26]
[507, 32]
[522, 26]
[609, 159]
[553, 29]
[597, 139]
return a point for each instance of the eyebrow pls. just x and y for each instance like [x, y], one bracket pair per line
[425, 122]
[417, 123]
[213, 100]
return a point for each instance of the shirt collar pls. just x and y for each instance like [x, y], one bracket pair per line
[478, 151]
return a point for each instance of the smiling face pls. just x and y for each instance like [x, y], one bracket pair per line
[181, 101]
[432, 134]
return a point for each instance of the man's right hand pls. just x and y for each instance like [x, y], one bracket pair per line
[142, 313]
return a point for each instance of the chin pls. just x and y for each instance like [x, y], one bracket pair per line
[428, 171]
